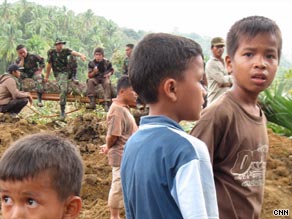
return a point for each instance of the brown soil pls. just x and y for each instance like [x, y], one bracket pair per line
[88, 133]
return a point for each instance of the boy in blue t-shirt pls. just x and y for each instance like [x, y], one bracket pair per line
[165, 172]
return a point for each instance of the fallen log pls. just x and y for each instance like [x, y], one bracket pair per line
[70, 97]
[76, 91]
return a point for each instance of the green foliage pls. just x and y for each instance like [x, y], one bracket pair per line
[277, 104]
[37, 27]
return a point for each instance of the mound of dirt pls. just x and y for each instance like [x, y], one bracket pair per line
[88, 133]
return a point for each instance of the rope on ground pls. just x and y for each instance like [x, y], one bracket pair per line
[50, 116]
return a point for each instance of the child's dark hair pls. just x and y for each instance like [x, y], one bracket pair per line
[249, 27]
[123, 83]
[99, 50]
[34, 154]
[130, 45]
[157, 57]
[20, 46]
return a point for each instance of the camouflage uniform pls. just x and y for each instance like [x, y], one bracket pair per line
[72, 65]
[59, 63]
[104, 67]
[32, 65]
[126, 66]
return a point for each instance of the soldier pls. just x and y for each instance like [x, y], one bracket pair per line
[99, 72]
[58, 60]
[219, 80]
[129, 49]
[33, 66]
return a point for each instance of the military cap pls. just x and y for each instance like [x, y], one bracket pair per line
[59, 41]
[14, 67]
[217, 41]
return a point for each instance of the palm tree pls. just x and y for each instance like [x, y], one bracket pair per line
[9, 39]
[40, 23]
[6, 11]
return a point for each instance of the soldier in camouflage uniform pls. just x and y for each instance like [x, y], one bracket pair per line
[58, 61]
[129, 49]
[99, 72]
[33, 66]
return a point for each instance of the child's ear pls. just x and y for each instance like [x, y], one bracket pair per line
[170, 89]
[73, 207]
[228, 64]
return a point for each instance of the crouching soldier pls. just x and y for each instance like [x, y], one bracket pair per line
[99, 72]
[11, 99]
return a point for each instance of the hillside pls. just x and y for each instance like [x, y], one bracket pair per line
[38, 26]
[87, 131]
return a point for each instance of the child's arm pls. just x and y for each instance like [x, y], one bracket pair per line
[110, 141]
[194, 186]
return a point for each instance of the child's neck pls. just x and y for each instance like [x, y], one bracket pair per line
[118, 100]
[247, 101]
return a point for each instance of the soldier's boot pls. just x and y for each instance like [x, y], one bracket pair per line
[40, 104]
[74, 78]
[62, 114]
[92, 103]
[107, 105]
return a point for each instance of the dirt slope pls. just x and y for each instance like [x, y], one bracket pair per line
[88, 133]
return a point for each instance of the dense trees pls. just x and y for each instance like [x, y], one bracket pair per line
[37, 27]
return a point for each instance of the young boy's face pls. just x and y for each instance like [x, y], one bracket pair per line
[129, 96]
[22, 53]
[254, 64]
[190, 91]
[98, 56]
[31, 199]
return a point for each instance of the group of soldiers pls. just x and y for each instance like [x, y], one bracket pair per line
[63, 62]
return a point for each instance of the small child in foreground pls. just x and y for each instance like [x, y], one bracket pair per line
[40, 178]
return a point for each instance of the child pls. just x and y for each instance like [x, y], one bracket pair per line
[234, 127]
[40, 177]
[165, 172]
[121, 125]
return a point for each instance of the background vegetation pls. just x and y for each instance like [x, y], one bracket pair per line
[277, 104]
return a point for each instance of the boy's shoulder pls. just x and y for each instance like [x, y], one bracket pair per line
[224, 106]
[117, 110]
[169, 138]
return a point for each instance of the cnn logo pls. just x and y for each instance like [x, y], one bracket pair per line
[281, 212]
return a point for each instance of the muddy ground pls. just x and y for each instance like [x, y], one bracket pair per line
[88, 130]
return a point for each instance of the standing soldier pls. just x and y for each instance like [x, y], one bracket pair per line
[129, 49]
[32, 68]
[219, 80]
[58, 60]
